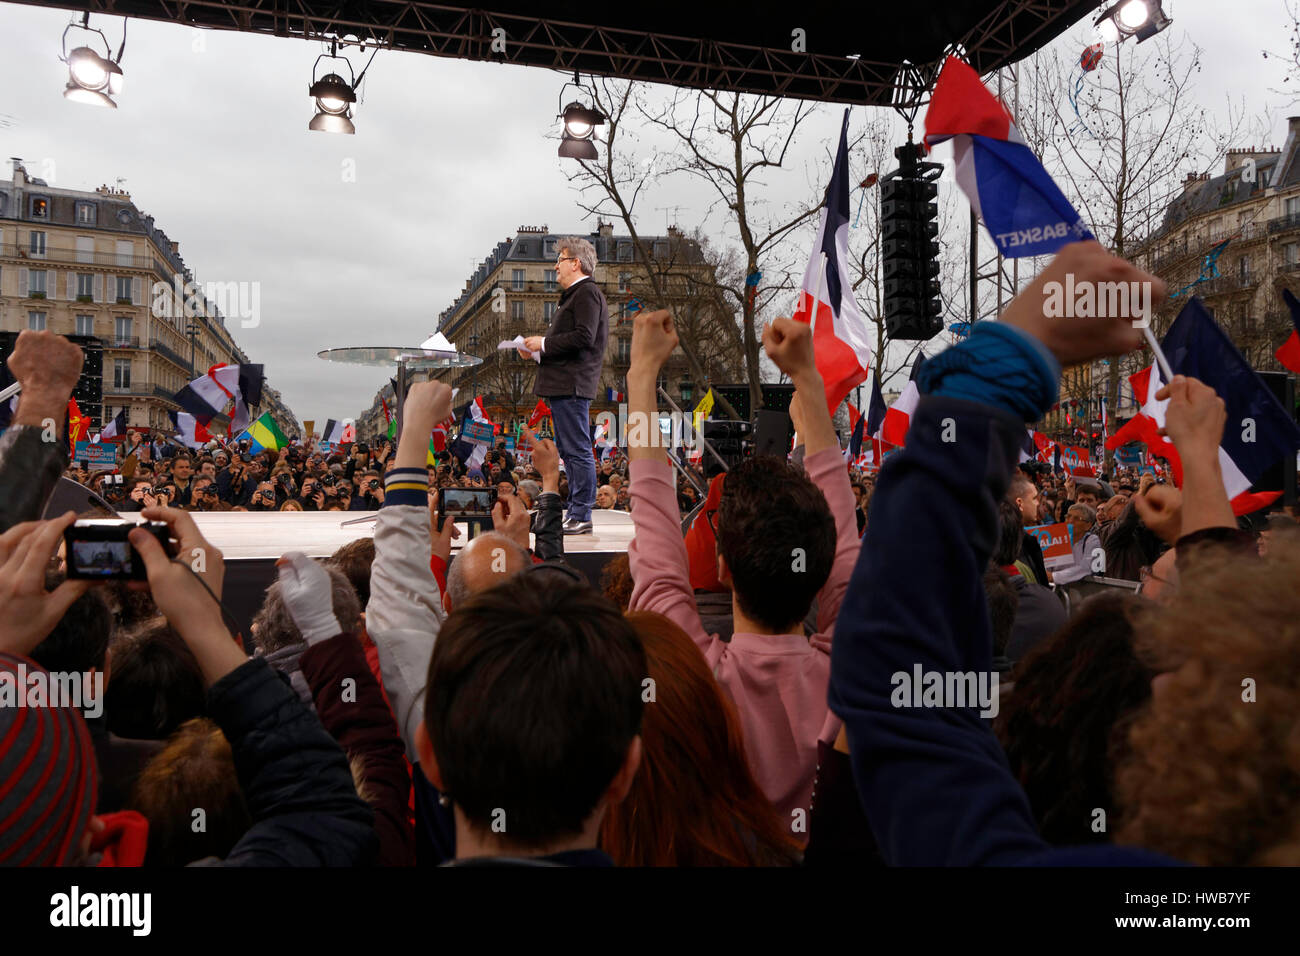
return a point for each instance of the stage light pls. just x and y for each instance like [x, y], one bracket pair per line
[1133, 14]
[335, 95]
[577, 139]
[332, 123]
[1132, 18]
[91, 77]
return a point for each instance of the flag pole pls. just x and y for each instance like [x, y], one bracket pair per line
[11, 391]
[1161, 361]
[812, 316]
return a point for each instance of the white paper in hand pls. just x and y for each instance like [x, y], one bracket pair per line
[518, 343]
[438, 343]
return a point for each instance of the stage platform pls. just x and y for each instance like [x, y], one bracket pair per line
[250, 535]
[252, 541]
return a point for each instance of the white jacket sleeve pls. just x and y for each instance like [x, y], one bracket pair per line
[405, 609]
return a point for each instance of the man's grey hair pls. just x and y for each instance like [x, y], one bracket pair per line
[458, 590]
[273, 627]
[1084, 511]
[582, 249]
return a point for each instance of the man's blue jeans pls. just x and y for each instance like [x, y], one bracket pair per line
[572, 417]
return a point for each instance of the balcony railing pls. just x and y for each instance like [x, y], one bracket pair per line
[141, 390]
[11, 250]
[122, 342]
[175, 357]
[1284, 223]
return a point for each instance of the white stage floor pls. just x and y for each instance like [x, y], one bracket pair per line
[256, 534]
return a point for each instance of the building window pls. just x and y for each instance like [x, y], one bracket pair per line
[624, 280]
[121, 373]
[550, 247]
[624, 250]
[552, 280]
[661, 250]
[122, 329]
[36, 282]
[517, 311]
[125, 252]
[517, 279]
[85, 285]
[623, 349]
[37, 244]
[85, 249]
[86, 212]
[85, 325]
[36, 321]
[548, 311]
[40, 208]
[123, 288]
[1243, 266]
[1291, 253]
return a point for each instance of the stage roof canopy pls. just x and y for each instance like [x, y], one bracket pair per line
[853, 51]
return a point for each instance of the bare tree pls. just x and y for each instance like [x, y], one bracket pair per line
[730, 141]
[1121, 158]
[510, 379]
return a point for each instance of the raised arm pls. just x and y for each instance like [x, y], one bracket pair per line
[933, 780]
[657, 556]
[405, 609]
[789, 345]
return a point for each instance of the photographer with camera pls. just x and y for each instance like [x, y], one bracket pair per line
[369, 494]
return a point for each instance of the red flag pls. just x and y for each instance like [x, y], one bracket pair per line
[78, 426]
[540, 410]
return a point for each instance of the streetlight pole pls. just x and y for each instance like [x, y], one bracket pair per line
[192, 330]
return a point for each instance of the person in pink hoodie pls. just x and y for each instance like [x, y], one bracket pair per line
[785, 538]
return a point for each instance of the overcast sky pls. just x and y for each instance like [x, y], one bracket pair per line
[450, 157]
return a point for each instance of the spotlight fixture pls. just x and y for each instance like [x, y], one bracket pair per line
[91, 77]
[334, 95]
[578, 132]
[1132, 18]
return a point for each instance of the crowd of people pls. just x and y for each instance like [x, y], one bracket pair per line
[827, 668]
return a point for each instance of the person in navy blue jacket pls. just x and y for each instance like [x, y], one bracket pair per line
[933, 780]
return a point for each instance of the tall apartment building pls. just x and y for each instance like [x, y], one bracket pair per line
[86, 263]
[1252, 209]
[514, 291]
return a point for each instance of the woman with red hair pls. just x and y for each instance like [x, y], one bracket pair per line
[694, 801]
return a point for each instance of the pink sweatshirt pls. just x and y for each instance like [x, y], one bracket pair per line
[776, 681]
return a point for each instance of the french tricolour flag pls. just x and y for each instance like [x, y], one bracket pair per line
[841, 345]
[1006, 185]
[116, 429]
[1288, 352]
[898, 418]
[1259, 432]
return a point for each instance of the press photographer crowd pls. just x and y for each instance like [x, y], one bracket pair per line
[832, 665]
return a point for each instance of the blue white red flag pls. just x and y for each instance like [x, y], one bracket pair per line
[1008, 188]
[841, 344]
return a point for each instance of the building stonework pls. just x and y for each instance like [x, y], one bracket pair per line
[87, 263]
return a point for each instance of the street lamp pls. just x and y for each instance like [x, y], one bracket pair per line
[192, 330]
[474, 341]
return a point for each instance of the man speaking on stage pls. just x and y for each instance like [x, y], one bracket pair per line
[572, 351]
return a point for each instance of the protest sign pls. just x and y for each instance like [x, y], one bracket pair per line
[1055, 540]
[97, 456]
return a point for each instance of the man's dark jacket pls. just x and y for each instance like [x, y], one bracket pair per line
[575, 344]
